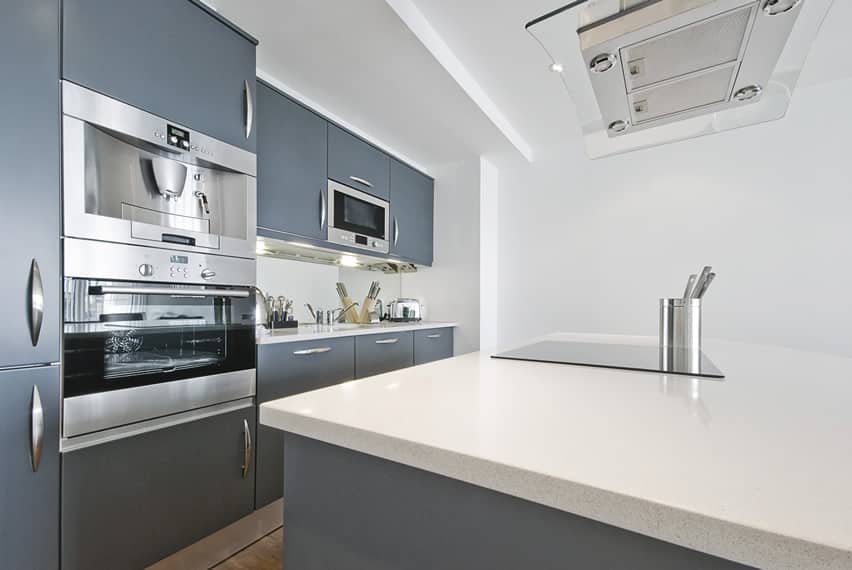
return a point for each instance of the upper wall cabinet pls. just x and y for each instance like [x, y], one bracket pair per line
[172, 58]
[357, 164]
[412, 211]
[292, 175]
[31, 288]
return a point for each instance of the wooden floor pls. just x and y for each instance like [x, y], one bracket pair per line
[265, 554]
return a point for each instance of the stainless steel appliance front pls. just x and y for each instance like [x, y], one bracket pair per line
[135, 178]
[357, 219]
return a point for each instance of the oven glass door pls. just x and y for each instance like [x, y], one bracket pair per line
[122, 335]
[359, 216]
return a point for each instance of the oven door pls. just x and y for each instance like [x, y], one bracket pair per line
[357, 212]
[138, 351]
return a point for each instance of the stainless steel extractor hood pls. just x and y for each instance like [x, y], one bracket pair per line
[641, 73]
[659, 61]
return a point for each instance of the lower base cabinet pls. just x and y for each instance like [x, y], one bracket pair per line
[29, 470]
[131, 502]
[433, 344]
[380, 353]
[283, 370]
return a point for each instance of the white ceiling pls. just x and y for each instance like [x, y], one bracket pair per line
[358, 61]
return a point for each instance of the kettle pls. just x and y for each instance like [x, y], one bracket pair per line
[261, 309]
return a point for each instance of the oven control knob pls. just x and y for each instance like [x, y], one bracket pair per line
[146, 270]
[207, 274]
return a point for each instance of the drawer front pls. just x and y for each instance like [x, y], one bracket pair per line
[379, 353]
[283, 370]
[357, 164]
[431, 345]
[170, 58]
[131, 502]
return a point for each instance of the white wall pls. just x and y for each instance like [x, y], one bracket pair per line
[591, 245]
[304, 282]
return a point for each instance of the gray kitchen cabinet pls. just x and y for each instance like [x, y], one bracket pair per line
[292, 174]
[173, 58]
[412, 204]
[431, 345]
[283, 370]
[29, 470]
[29, 183]
[379, 353]
[131, 502]
[358, 164]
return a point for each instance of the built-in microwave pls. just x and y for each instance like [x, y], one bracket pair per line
[357, 219]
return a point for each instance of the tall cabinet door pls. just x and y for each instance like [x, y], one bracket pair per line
[29, 468]
[292, 176]
[412, 212]
[172, 58]
[29, 182]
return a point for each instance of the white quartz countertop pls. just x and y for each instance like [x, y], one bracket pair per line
[318, 332]
[755, 468]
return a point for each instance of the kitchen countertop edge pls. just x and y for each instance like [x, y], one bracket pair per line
[309, 332]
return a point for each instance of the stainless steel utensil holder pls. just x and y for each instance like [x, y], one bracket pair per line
[680, 325]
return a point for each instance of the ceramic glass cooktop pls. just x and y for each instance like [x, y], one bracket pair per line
[619, 356]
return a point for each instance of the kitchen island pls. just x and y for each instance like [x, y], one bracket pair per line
[475, 463]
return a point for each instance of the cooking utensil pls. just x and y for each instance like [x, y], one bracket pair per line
[706, 285]
[690, 283]
[700, 283]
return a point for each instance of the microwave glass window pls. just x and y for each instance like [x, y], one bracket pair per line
[358, 216]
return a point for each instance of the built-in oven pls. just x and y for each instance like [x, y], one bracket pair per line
[134, 178]
[147, 336]
[357, 219]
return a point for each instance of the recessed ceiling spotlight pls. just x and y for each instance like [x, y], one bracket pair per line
[556, 67]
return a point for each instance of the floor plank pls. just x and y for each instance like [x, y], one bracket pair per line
[265, 554]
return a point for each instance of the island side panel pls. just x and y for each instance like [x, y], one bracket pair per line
[350, 510]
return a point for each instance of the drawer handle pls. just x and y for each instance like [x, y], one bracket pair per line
[361, 181]
[436, 335]
[388, 341]
[246, 449]
[309, 351]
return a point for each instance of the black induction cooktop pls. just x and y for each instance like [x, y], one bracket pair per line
[618, 356]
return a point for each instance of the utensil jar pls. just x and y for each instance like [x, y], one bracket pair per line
[680, 324]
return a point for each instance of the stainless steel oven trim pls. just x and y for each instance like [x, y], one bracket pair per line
[100, 290]
[83, 441]
[346, 237]
[114, 115]
[106, 261]
[105, 410]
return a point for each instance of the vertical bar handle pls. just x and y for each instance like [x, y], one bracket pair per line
[323, 208]
[395, 230]
[249, 109]
[247, 449]
[36, 302]
[36, 429]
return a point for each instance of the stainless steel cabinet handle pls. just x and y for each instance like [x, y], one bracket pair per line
[36, 302]
[395, 230]
[436, 335]
[388, 341]
[308, 351]
[361, 181]
[247, 448]
[249, 109]
[99, 290]
[36, 429]
[323, 208]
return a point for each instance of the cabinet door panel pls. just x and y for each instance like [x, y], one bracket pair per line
[292, 174]
[170, 58]
[29, 500]
[29, 182]
[357, 164]
[412, 213]
[379, 353]
[431, 345]
[286, 369]
[131, 502]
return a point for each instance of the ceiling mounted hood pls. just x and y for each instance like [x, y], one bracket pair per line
[648, 72]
